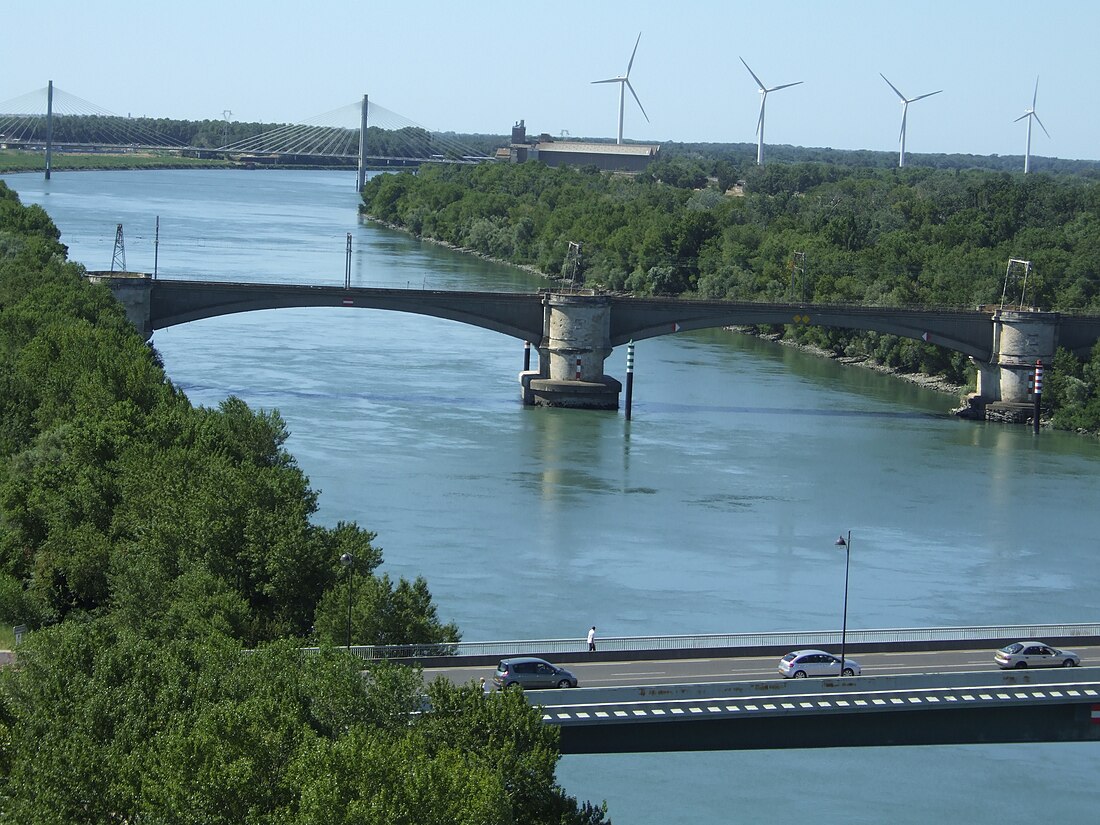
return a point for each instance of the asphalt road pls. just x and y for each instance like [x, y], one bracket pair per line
[692, 671]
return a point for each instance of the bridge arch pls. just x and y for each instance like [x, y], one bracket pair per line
[575, 332]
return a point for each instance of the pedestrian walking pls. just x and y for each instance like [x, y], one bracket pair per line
[484, 687]
[592, 639]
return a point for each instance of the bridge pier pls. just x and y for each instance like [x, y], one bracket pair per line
[134, 291]
[575, 342]
[1019, 340]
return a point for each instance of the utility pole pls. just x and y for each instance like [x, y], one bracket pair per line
[798, 265]
[347, 264]
[120, 251]
[1017, 264]
[575, 255]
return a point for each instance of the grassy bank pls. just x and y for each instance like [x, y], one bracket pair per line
[19, 161]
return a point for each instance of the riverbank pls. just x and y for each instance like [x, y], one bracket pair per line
[17, 161]
[931, 382]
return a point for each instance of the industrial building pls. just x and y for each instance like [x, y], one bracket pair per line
[612, 157]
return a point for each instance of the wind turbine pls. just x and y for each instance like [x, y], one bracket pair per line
[905, 101]
[763, 100]
[1030, 115]
[624, 83]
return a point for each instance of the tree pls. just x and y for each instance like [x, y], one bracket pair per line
[382, 613]
[107, 726]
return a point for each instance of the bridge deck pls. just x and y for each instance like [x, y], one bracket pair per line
[1062, 705]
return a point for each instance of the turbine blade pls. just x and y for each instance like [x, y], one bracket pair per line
[1021, 117]
[1035, 94]
[784, 86]
[631, 63]
[610, 80]
[754, 77]
[892, 86]
[1040, 123]
[640, 106]
[760, 120]
[922, 97]
[904, 111]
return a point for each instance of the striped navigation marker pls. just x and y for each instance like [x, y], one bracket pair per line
[1038, 388]
[675, 326]
[1095, 715]
[629, 376]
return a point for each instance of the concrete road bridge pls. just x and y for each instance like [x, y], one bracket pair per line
[574, 332]
[920, 686]
[1060, 705]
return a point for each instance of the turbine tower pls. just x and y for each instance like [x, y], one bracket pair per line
[624, 83]
[1031, 115]
[763, 100]
[905, 101]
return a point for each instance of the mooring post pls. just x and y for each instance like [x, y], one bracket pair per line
[629, 376]
[1038, 391]
[526, 356]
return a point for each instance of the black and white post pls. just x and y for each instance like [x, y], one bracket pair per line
[629, 377]
[1038, 392]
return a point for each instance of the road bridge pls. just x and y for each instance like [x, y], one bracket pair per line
[722, 692]
[1062, 705]
[574, 332]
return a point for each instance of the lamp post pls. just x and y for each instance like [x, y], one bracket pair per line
[348, 560]
[847, 545]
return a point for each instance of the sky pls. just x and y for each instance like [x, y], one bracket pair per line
[479, 68]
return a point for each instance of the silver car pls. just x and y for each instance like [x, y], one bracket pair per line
[531, 672]
[803, 663]
[1034, 654]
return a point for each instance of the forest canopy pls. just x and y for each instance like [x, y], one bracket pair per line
[166, 563]
[702, 226]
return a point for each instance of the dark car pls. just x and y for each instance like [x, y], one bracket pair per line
[530, 672]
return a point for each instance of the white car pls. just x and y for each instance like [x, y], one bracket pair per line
[803, 663]
[1034, 654]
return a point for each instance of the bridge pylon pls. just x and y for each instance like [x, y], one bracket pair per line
[361, 178]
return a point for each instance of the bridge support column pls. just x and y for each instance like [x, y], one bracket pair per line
[1019, 340]
[133, 290]
[575, 343]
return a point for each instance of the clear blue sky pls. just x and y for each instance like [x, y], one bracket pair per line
[478, 67]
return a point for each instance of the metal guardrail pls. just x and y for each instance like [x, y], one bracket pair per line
[704, 642]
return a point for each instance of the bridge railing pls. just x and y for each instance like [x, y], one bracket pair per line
[704, 643]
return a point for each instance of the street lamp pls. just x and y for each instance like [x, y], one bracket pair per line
[847, 545]
[348, 560]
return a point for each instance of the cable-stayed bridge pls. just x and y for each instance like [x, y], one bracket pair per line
[52, 119]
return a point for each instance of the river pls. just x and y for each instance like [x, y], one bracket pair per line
[715, 509]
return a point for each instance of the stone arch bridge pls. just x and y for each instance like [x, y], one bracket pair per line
[575, 332]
